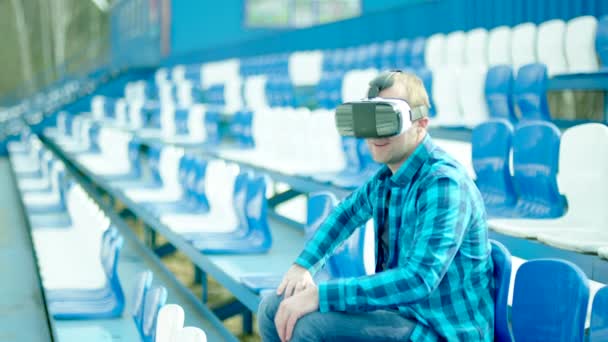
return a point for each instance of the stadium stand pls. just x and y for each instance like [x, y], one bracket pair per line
[204, 155]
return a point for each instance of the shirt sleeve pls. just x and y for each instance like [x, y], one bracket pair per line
[440, 227]
[354, 211]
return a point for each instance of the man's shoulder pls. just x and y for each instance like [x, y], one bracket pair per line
[442, 165]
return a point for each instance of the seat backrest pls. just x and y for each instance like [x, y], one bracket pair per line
[434, 51]
[239, 200]
[347, 260]
[502, 280]
[445, 95]
[110, 265]
[535, 165]
[599, 316]
[550, 300]
[155, 299]
[191, 334]
[601, 41]
[356, 84]
[219, 184]
[169, 166]
[491, 146]
[455, 48]
[417, 47]
[387, 55]
[140, 291]
[499, 92]
[257, 210]
[476, 47]
[523, 45]
[580, 44]
[550, 46]
[499, 46]
[531, 92]
[426, 76]
[471, 91]
[169, 322]
[402, 53]
[583, 166]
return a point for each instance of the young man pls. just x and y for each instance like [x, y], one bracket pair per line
[433, 277]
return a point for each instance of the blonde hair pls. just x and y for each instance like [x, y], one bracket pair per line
[413, 90]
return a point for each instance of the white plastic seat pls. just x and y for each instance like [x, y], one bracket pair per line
[523, 45]
[550, 46]
[255, 92]
[445, 96]
[471, 89]
[603, 252]
[169, 171]
[232, 95]
[169, 322]
[455, 49]
[305, 67]
[191, 334]
[434, 51]
[476, 47]
[499, 46]
[219, 188]
[356, 84]
[582, 179]
[114, 157]
[580, 44]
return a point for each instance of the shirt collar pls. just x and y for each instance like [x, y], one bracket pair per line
[412, 164]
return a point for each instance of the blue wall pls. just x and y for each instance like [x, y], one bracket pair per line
[206, 24]
[222, 36]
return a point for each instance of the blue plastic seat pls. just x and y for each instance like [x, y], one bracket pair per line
[426, 76]
[142, 287]
[499, 93]
[190, 170]
[368, 167]
[531, 92]
[107, 307]
[346, 261]
[502, 279]
[416, 53]
[599, 316]
[550, 300]
[155, 299]
[601, 42]
[535, 162]
[491, 146]
[258, 238]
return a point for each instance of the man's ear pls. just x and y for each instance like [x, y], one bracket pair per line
[422, 122]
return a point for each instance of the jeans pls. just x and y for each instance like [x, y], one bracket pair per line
[378, 325]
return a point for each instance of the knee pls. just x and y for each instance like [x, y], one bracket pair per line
[310, 328]
[268, 308]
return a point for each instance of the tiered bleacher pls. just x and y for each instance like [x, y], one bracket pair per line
[235, 163]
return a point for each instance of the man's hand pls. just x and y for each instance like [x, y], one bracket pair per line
[295, 280]
[292, 309]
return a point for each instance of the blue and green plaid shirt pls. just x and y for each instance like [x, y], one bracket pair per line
[438, 268]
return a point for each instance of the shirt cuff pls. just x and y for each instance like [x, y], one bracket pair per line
[332, 296]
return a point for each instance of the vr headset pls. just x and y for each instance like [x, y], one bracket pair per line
[377, 117]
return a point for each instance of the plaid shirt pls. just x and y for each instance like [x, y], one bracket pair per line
[439, 268]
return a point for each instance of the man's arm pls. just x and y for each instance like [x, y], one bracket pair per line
[440, 227]
[354, 211]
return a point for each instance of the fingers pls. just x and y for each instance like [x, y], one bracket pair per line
[289, 288]
[290, 325]
[282, 286]
[280, 320]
